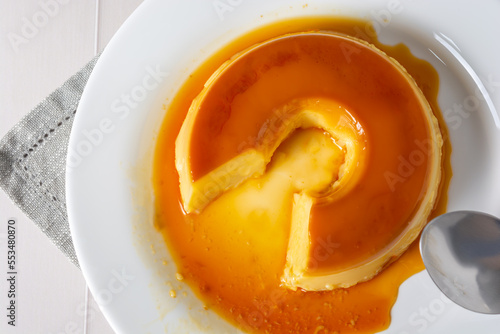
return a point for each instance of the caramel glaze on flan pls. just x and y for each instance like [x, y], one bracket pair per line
[308, 162]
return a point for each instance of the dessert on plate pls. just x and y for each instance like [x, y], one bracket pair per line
[293, 174]
[323, 132]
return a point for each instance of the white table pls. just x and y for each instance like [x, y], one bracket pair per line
[42, 43]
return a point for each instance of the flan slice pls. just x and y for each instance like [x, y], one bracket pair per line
[385, 187]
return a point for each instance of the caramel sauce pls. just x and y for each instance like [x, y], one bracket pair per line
[240, 279]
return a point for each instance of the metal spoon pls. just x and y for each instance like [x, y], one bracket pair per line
[461, 251]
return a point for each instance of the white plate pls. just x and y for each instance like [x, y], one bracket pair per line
[110, 153]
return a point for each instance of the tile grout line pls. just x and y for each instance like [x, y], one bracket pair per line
[86, 313]
[96, 29]
[96, 49]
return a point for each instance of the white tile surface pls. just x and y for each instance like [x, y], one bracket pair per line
[42, 43]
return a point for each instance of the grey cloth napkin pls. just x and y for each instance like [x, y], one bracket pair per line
[33, 160]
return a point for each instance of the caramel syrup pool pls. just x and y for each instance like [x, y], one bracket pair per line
[254, 302]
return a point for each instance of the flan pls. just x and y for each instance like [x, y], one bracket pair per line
[329, 124]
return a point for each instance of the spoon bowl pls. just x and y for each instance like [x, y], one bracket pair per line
[461, 252]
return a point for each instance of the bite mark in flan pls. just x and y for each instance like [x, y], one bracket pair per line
[348, 223]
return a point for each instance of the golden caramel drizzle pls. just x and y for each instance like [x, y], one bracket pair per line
[222, 265]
